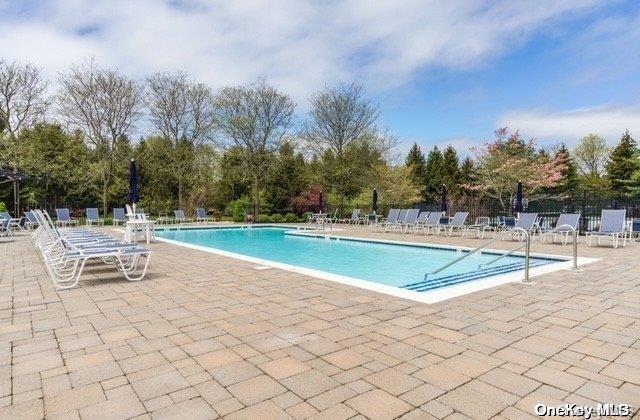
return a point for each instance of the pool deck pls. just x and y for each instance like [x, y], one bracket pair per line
[206, 336]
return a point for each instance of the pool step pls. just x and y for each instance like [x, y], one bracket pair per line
[450, 280]
[438, 282]
[483, 271]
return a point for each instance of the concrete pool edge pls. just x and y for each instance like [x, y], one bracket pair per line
[432, 296]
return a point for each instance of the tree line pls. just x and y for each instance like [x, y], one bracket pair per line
[244, 149]
[554, 172]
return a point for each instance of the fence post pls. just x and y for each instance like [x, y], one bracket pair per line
[527, 251]
[585, 222]
[575, 249]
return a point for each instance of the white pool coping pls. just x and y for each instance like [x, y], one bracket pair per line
[431, 296]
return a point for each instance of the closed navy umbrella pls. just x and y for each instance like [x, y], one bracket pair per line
[519, 207]
[134, 194]
[443, 199]
[320, 203]
[374, 201]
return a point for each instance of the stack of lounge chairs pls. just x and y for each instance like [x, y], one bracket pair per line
[66, 252]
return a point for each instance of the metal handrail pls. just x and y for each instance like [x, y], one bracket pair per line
[574, 232]
[481, 247]
[504, 255]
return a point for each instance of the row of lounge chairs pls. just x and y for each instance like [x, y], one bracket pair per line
[120, 214]
[612, 225]
[66, 252]
[414, 221]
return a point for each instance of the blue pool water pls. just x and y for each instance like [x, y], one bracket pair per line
[394, 265]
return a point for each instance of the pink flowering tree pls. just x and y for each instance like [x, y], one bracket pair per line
[509, 159]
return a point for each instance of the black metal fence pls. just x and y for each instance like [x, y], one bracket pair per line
[590, 207]
[549, 210]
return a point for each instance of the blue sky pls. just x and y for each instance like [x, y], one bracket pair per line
[564, 68]
[442, 72]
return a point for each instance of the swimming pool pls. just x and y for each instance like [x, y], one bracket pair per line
[393, 265]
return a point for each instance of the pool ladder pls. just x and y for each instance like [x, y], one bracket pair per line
[526, 245]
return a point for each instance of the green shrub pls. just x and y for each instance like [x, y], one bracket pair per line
[264, 218]
[290, 218]
[305, 216]
[238, 210]
[276, 218]
[3, 207]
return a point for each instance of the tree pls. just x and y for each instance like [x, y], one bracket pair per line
[182, 111]
[451, 170]
[156, 179]
[591, 155]
[417, 165]
[306, 201]
[345, 178]
[570, 182]
[434, 174]
[622, 163]
[341, 121]
[467, 172]
[253, 119]
[206, 174]
[233, 183]
[287, 178]
[57, 162]
[119, 189]
[23, 103]
[23, 98]
[632, 186]
[509, 159]
[104, 105]
[395, 186]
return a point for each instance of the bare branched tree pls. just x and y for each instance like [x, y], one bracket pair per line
[104, 105]
[183, 112]
[23, 96]
[341, 117]
[253, 119]
[23, 103]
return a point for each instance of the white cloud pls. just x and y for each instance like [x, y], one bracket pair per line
[571, 126]
[301, 46]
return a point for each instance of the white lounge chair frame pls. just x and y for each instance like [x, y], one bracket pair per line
[64, 218]
[201, 215]
[566, 225]
[90, 220]
[457, 223]
[612, 226]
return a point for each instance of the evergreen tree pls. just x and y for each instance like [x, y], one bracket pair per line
[633, 185]
[234, 182]
[434, 166]
[622, 163]
[286, 178]
[156, 177]
[417, 166]
[451, 170]
[467, 172]
[58, 163]
[570, 180]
